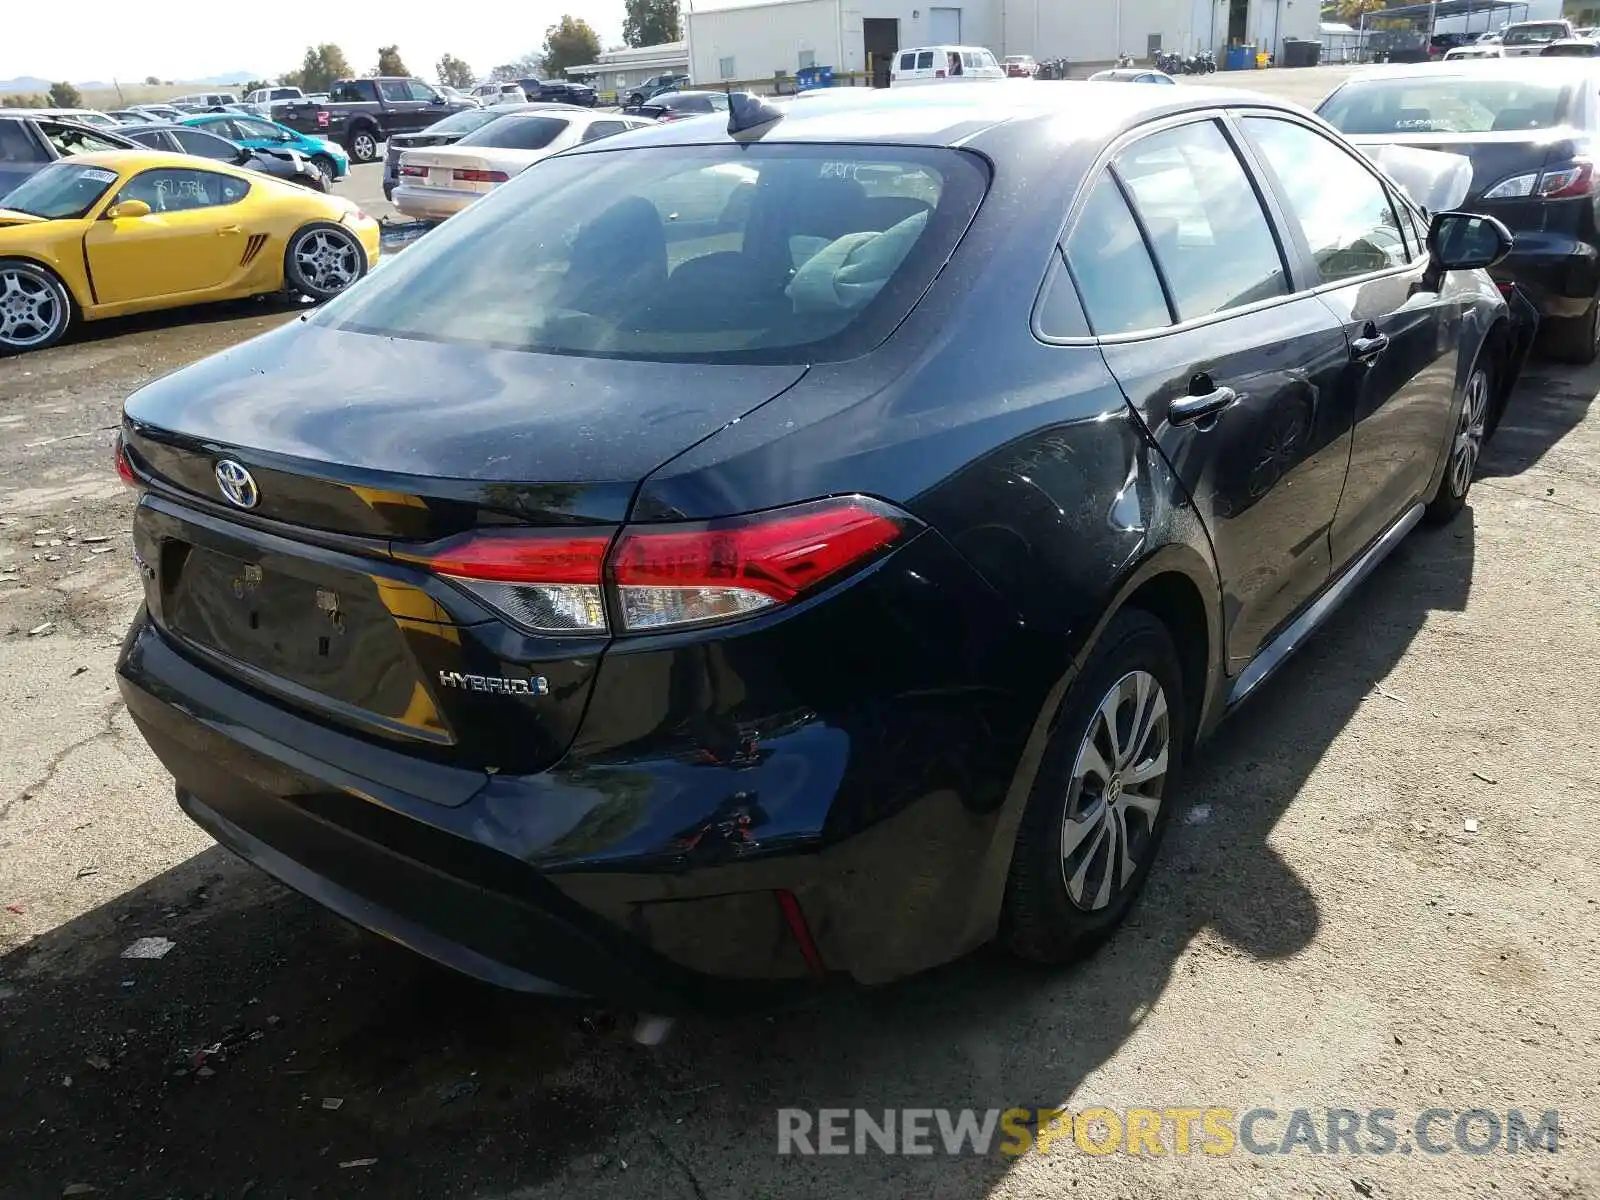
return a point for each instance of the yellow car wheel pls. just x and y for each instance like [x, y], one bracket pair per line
[35, 308]
[322, 260]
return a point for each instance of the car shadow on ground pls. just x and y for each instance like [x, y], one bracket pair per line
[273, 1044]
[193, 316]
[1549, 403]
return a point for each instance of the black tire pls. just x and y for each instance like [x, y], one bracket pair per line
[1466, 445]
[1574, 339]
[325, 164]
[362, 144]
[309, 261]
[1041, 920]
[36, 308]
[635, 100]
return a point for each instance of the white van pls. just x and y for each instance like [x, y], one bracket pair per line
[944, 64]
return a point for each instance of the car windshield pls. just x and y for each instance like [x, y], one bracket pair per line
[1454, 104]
[752, 253]
[1525, 35]
[464, 121]
[516, 133]
[61, 192]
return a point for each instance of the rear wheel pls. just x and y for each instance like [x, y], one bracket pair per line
[1465, 449]
[363, 144]
[1575, 339]
[1102, 798]
[35, 308]
[323, 260]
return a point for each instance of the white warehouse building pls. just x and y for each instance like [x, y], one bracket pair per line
[729, 40]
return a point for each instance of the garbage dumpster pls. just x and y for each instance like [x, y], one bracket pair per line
[1240, 58]
[807, 78]
[1300, 52]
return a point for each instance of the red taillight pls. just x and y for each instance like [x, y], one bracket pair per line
[473, 175]
[1506, 286]
[124, 467]
[323, 118]
[723, 569]
[668, 576]
[1576, 180]
[408, 169]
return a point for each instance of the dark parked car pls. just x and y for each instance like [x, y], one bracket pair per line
[857, 612]
[289, 165]
[654, 86]
[1571, 48]
[28, 142]
[444, 133]
[360, 114]
[558, 91]
[676, 106]
[1530, 130]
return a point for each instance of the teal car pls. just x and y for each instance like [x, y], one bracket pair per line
[260, 134]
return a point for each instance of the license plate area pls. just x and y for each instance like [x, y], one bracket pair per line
[440, 177]
[331, 635]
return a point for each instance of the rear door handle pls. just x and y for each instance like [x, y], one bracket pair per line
[1186, 410]
[1365, 349]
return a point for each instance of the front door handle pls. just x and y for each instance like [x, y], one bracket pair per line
[1186, 410]
[227, 229]
[1365, 349]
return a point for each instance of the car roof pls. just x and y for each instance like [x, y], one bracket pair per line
[1569, 71]
[942, 46]
[1075, 110]
[140, 160]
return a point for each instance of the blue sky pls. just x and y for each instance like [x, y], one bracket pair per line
[188, 39]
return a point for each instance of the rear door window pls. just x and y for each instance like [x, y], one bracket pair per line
[1212, 240]
[1111, 265]
[353, 91]
[395, 91]
[925, 60]
[1349, 220]
[196, 141]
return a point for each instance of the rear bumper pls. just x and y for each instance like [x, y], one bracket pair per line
[431, 204]
[1561, 276]
[653, 866]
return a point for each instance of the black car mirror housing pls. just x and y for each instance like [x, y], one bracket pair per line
[1463, 241]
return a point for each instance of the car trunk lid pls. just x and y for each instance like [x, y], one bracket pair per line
[366, 457]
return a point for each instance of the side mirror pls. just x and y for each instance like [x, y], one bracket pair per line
[127, 210]
[1461, 241]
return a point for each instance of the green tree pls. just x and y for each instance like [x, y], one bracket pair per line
[24, 100]
[567, 43]
[253, 85]
[1351, 10]
[526, 67]
[64, 95]
[454, 72]
[320, 67]
[152, 81]
[650, 22]
[390, 62]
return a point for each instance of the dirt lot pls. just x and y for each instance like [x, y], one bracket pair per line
[1322, 932]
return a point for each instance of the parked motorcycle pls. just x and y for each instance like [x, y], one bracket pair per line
[1053, 68]
[1124, 61]
[1201, 63]
[1169, 62]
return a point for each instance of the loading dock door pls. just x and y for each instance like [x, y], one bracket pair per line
[944, 26]
[880, 38]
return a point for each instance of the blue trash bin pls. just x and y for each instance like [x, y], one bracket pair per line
[1240, 58]
[807, 78]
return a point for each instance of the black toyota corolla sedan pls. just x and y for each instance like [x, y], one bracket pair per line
[808, 544]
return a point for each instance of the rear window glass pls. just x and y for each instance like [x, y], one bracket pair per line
[464, 121]
[781, 253]
[516, 133]
[1451, 104]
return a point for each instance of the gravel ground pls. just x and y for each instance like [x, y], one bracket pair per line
[1322, 931]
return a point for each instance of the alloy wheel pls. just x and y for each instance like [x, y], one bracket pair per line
[329, 261]
[364, 148]
[1469, 434]
[31, 311]
[1114, 796]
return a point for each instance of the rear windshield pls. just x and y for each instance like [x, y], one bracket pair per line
[464, 121]
[1453, 104]
[516, 133]
[1524, 35]
[753, 253]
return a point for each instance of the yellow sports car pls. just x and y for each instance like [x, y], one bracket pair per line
[126, 231]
